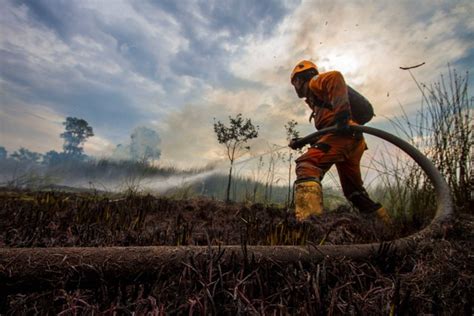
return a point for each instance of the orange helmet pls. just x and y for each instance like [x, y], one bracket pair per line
[302, 66]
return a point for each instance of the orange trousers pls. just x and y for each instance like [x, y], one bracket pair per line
[346, 152]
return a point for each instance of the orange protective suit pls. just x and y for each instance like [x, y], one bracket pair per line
[327, 97]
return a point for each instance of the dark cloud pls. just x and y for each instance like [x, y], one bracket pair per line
[67, 19]
[241, 17]
[210, 26]
[132, 43]
[64, 18]
[57, 17]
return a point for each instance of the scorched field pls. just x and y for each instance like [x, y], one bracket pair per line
[435, 277]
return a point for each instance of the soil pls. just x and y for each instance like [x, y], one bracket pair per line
[436, 277]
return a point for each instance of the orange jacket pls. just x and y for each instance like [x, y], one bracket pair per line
[331, 89]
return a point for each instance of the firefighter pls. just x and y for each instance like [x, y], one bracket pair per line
[326, 95]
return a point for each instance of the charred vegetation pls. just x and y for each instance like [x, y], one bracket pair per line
[210, 277]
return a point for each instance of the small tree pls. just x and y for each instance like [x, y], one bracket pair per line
[234, 137]
[291, 133]
[77, 131]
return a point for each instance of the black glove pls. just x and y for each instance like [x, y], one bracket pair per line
[293, 145]
[341, 120]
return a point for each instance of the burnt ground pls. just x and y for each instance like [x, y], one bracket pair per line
[436, 278]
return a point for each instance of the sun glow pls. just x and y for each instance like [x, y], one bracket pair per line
[346, 63]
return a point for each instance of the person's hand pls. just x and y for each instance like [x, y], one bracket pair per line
[293, 144]
[341, 120]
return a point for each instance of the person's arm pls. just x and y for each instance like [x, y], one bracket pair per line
[338, 96]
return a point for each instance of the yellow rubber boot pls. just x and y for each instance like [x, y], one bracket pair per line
[384, 216]
[308, 199]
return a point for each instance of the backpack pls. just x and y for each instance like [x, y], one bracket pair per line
[362, 110]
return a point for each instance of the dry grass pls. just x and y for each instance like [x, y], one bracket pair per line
[436, 278]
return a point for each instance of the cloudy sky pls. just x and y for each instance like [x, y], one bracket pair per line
[174, 66]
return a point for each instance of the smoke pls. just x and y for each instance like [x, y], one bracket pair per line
[144, 146]
[121, 152]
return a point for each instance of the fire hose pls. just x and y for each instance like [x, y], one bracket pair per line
[23, 268]
[444, 204]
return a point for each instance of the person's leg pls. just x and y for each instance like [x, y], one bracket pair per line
[310, 171]
[353, 186]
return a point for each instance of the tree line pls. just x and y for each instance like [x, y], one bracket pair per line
[77, 131]
[144, 146]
